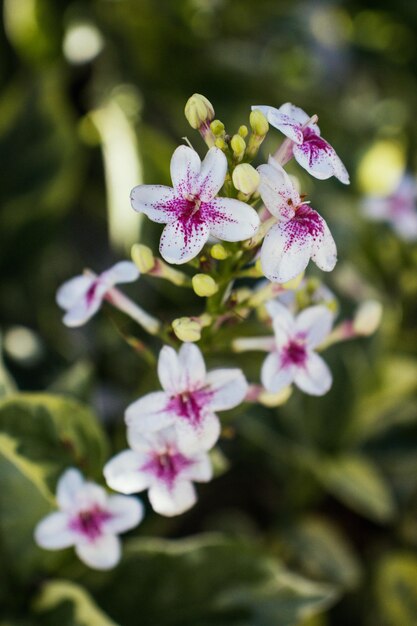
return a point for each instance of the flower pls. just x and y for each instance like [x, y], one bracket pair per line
[309, 149]
[399, 208]
[88, 519]
[190, 210]
[189, 400]
[82, 296]
[156, 463]
[293, 359]
[300, 234]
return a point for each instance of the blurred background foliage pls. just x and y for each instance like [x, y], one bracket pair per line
[91, 103]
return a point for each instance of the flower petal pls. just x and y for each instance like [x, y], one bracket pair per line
[212, 174]
[286, 251]
[288, 126]
[274, 376]
[315, 323]
[228, 388]
[169, 373]
[314, 378]
[123, 472]
[73, 290]
[173, 501]
[121, 272]
[277, 191]
[200, 470]
[102, 553]
[185, 168]
[192, 369]
[229, 219]
[324, 248]
[127, 512]
[295, 113]
[160, 203]
[68, 486]
[283, 324]
[319, 158]
[195, 437]
[149, 413]
[183, 239]
[54, 533]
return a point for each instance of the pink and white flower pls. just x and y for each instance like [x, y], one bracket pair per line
[305, 144]
[300, 234]
[189, 400]
[82, 296]
[398, 208]
[190, 209]
[156, 463]
[88, 519]
[293, 359]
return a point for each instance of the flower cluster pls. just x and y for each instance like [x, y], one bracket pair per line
[226, 221]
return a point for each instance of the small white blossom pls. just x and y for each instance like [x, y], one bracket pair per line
[89, 519]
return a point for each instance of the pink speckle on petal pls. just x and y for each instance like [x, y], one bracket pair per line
[190, 405]
[90, 523]
[90, 295]
[305, 224]
[166, 466]
[315, 146]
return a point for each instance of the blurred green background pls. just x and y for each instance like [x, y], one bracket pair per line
[91, 104]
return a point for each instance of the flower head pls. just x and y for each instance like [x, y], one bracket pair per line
[189, 400]
[88, 519]
[155, 462]
[82, 296]
[300, 234]
[309, 149]
[190, 209]
[293, 359]
[399, 208]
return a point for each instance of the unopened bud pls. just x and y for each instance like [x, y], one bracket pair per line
[143, 258]
[245, 178]
[292, 284]
[219, 252]
[238, 146]
[243, 131]
[204, 285]
[220, 143]
[272, 400]
[258, 123]
[217, 128]
[187, 329]
[367, 318]
[198, 111]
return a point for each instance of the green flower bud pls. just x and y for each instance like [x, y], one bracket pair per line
[220, 143]
[258, 123]
[198, 111]
[243, 131]
[143, 258]
[367, 318]
[238, 145]
[245, 178]
[187, 329]
[217, 128]
[219, 252]
[204, 285]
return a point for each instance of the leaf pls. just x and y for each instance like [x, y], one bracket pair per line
[396, 589]
[323, 552]
[358, 483]
[83, 610]
[208, 580]
[56, 431]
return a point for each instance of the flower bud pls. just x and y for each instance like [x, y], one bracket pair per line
[143, 258]
[238, 146]
[217, 128]
[220, 143]
[292, 284]
[258, 123]
[198, 111]
[272, 400]
[187, 329]
[204, 285]
[367, 318]
[243, 131]
[219, 252]
[245, 178]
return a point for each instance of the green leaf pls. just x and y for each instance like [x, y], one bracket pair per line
[53, 601]
[209, 580]
[56, 431]
[396, 589]
[358, 483]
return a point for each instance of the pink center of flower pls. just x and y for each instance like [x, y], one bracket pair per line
[90, 295]
[400, 205]
[190, 405]
[167, 466]
[316, 145]
[294, 353]
[305, 224]
[90, 523]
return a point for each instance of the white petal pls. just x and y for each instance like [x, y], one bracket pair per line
[89, 496]
[160, 203]
[315, 377]
[183, 239]
[277, 191]
[283, 324]
[228, 388]
[315, 323]
[192, 368]
[68, 486]
[285, 252]
[229, 219]
[73, 290]
[87, 305]
[212, 174]
[294, 112]
[149, 413]
[320, 159]
[169, 370]
[54, 533]
[274, 376]
[201, 470]
[376, 208]
[324, 249]
[103, 553]
[126, 513]
[405, 225]
[193, 438]
[185, 168]
[287, 125]
[123, 472]
[173, 501]
[122, 272]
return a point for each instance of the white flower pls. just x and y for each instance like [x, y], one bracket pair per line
[309, 149]
[399, 208]
[88, 519]
[190, 209]
[189, 401]
[82, 296]
[300, 234]
[293, 359]
[156, 463]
